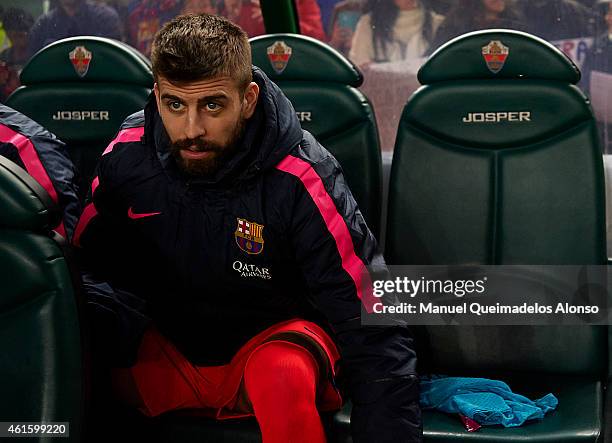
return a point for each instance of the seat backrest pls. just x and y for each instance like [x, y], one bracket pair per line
[41, 360]
[81, 89]
[497, 161]
[322, 85]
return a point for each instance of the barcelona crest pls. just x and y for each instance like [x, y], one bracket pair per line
[249, 236]
[80, 58]
[495, 54]
[279, 54]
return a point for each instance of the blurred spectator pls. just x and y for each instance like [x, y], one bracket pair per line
[557, 19]
[393, 30]
[146, 17]
[599, 57]
[247, 15]
[17, 24]
[473, 15]
[4, 41]
[199, 6]
[70, 18]
[344, 20]
[327, 12]
[310, 19]
[121, 7]
[441, 6]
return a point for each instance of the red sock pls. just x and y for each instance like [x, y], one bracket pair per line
[281, 380]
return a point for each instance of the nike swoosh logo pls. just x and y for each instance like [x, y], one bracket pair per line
[135, 216]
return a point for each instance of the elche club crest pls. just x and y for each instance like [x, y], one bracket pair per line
[279, 54]
[80, 58]
[249, 236]
[495, 55]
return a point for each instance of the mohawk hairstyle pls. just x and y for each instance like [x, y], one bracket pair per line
[201, 46]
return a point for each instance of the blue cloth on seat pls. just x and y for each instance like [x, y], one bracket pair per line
[488, 402]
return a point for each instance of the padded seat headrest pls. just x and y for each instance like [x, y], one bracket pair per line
[293, 57]
[498, 54]
[88, 114]
[496, 115]
[81, 88]
[88, 59]
[24, 204]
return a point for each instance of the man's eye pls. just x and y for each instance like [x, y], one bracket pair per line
[175, 106]
[212, 106]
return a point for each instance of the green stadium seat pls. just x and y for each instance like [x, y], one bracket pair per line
[83, 96]
[499, 162]
[322, 85]
[41, 365]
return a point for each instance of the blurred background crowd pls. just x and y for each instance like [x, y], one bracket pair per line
[369, 32]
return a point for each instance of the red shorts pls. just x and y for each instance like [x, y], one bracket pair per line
[164, 380]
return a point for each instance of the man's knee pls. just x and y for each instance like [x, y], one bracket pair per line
[284, 370]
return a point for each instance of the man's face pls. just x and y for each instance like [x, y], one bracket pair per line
[205, 120]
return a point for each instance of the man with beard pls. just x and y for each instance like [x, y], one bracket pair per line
[226, 257]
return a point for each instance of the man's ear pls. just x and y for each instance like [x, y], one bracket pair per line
[251, 94]
[156, 91]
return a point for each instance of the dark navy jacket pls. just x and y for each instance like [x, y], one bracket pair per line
[44, 157]
[275, 235]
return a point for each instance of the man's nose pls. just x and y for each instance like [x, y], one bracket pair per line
[194, 127]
